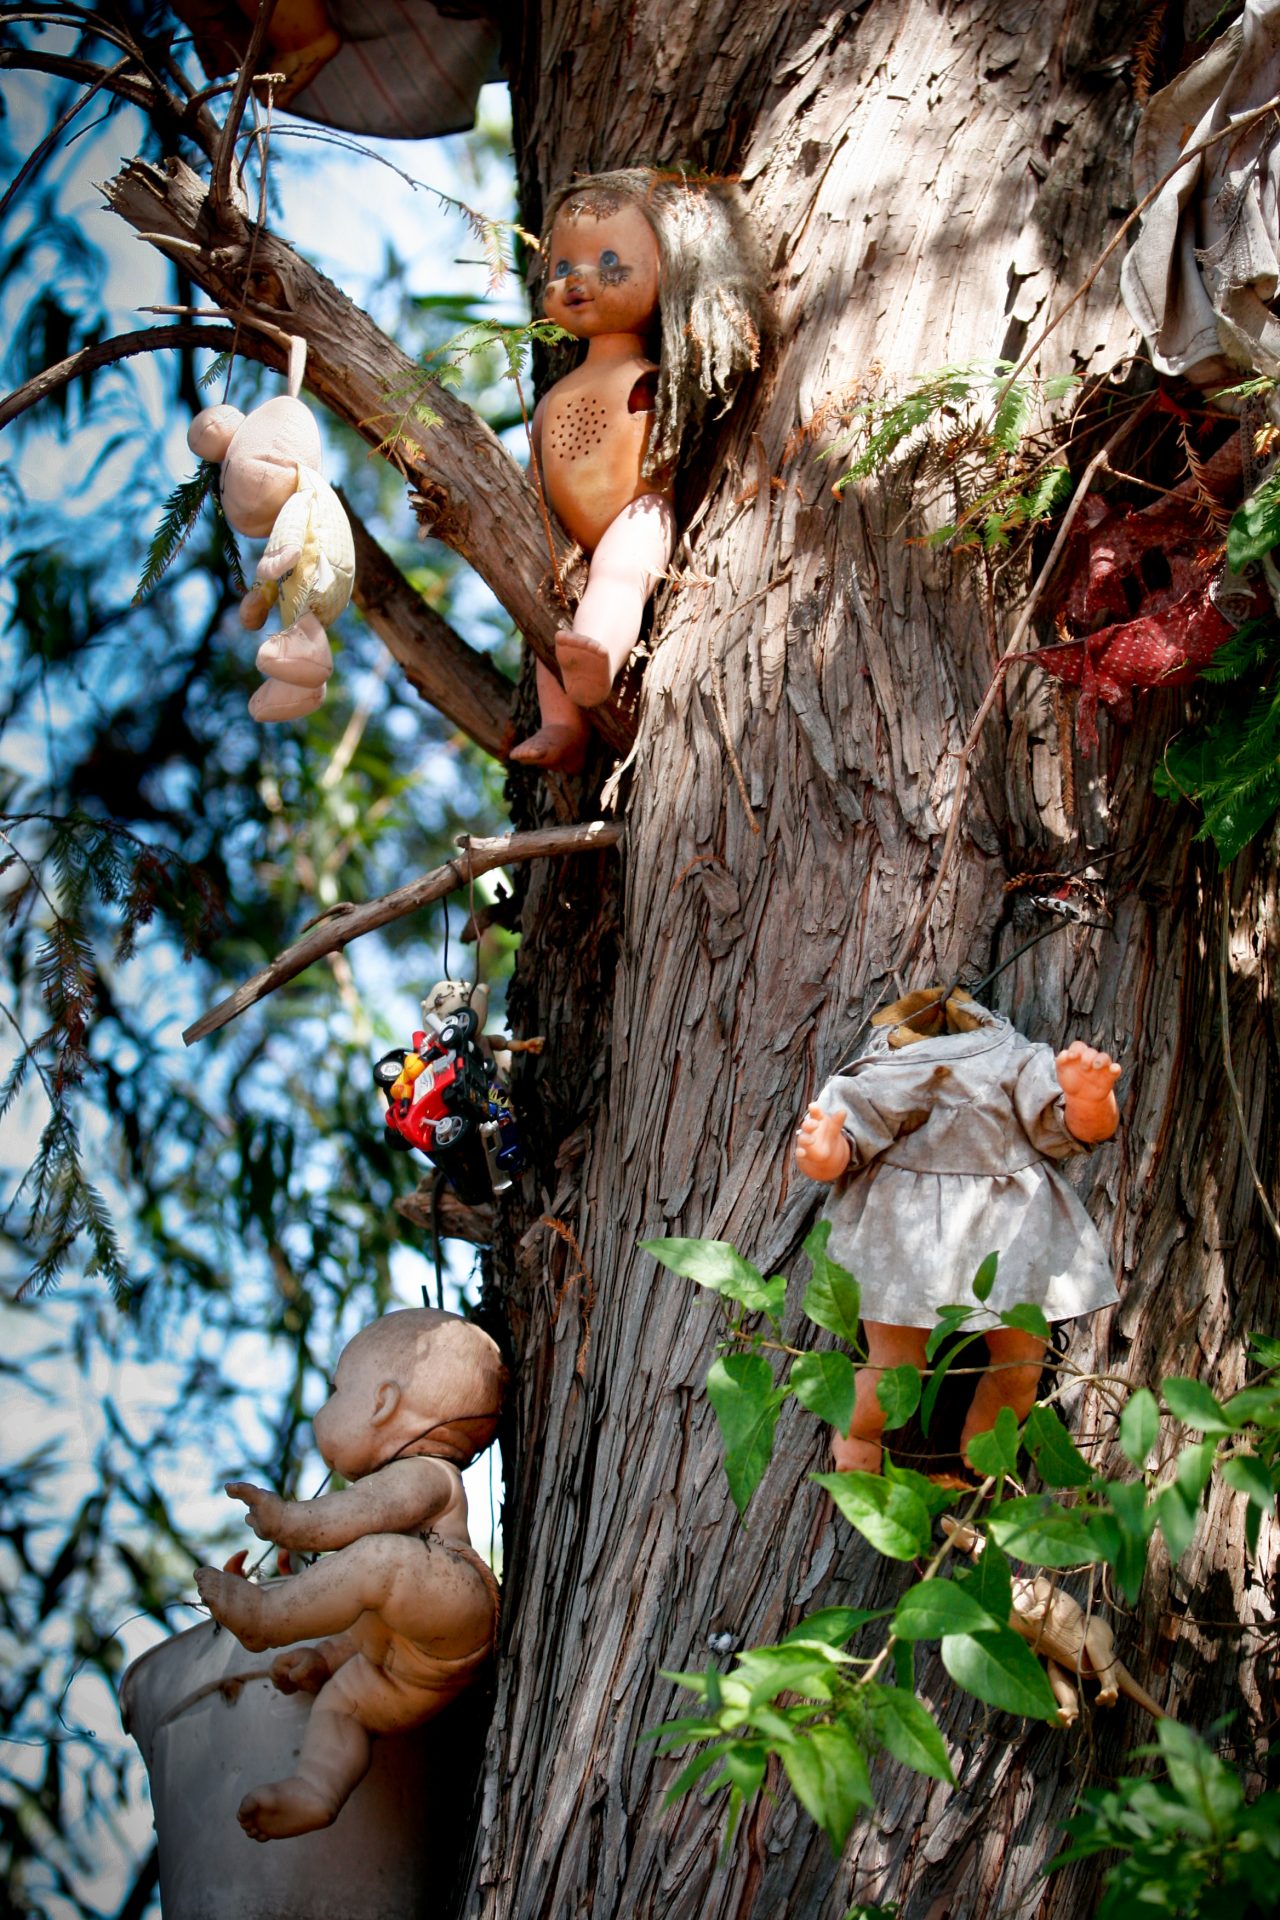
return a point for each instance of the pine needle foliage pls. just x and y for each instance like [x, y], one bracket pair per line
[1229, 765]
[181, 511]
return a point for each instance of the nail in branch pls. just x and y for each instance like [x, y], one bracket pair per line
[342, 924]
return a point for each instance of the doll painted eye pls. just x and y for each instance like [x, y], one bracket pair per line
[560, 269]
[608, 258]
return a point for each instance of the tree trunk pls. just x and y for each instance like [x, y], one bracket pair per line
[929, 182]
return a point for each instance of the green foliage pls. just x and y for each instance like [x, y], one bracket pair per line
[826, 1713]
[1191, 1846]
[181, 511]
[963, 423]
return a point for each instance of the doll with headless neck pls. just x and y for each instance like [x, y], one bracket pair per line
[941, 1145]
[651, 272]
[405, 1608]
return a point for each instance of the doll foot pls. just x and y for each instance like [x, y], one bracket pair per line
[561, 748]
[275, 701]
[234, 1604]
[854, 1456]
[585, 668]
[299, 1670]
[298, 658]
[286, 1807]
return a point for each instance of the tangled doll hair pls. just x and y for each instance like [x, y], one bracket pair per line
[709, 298]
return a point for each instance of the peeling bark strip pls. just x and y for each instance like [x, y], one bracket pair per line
[930, 182]
[486, 509]
[345, 923]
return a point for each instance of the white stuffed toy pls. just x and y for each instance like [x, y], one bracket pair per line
[271, 484]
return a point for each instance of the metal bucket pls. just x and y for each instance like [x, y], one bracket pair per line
[211, 1726]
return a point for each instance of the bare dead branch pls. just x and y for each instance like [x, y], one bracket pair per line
[224, 153]
[342, 924]
[123, 346]
[457, 679]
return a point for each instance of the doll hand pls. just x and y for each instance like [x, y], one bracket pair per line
[821, 1148]
[299, 1670]
[266, 1510]
[1087, 1078]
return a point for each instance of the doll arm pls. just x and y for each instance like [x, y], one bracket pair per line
[822, 1152]
[396, 1498]
[1087, 1078]
[305, 1669]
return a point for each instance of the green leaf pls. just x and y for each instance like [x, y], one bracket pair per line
[690, 1776]
[809, 1670]
[950, 1320]
[828, 1774]
[744, 1764]
[1037, 1529]
[1026, 1317]
[1001, 1670]
[1059, 1461]
[894, 1519]
[996, 1451]
[1177, 1519]
[1246, 1474]
[910, 1733]
[741, 1390]
[990, 1583]
[832, 1298]
[1255, 529]
[904, 1664]
[1191, 1402]
[823, 1382]
[935, 1607]
[720, 1267]
[898, 1391]
[985, 1278]
[941, 1369]
[1122, 1533]
[932, 1497]
[834, 1625]
[1260, 1405]
[1193, 1467]
[1139, 1426]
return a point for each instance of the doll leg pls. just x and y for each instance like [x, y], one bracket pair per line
[859, 1449]
[561, 740]
[332, 1760]
[624, 570]
[298, 655]
[1010, 1382]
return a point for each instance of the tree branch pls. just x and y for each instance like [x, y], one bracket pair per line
[456, 678]
[342, 924]
[484, 507]
[104, 353]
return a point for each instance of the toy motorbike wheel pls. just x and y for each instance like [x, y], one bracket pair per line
[389, 1068]
[449, 1131]
[458, 1028]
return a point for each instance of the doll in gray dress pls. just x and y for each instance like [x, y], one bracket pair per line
[942, 1145]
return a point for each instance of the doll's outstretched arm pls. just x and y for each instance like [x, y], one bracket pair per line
[822, 1150]
[1087, 1078]
[396, 1498]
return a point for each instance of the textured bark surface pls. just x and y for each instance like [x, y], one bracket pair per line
[929, 182]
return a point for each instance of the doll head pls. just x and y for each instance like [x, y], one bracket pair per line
[923, 1016]
[708, 295]
[414, 1382]
[447, 996]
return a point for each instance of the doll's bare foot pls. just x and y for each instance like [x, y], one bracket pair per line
[284, 1808]
[585, 668]
[275, 701]
[299, 1670]
[234, 1603]
[851, 1455]
[299, 656]
[562, 748]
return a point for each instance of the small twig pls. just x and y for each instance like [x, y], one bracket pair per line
[1224, 957]
[342, 924]
[907, 950]
[225, 151]
[1241, 125]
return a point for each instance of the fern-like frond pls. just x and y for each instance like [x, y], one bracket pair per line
[181, 511]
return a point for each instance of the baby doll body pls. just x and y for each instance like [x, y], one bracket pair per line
[406, 1608]
[940, 1153]
[590, 436]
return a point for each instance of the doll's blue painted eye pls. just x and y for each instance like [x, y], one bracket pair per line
[608, 258]
[560, 269]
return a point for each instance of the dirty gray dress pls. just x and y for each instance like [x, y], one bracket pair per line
[955, 1142]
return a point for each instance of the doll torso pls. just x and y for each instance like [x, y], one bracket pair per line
[593, 430]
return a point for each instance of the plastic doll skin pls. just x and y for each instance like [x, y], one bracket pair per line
[406, 1608]
[1087, 1079]
[589, 437]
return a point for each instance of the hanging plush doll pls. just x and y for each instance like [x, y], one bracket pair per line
[271, 485]
[652, 272]
[942, 1143]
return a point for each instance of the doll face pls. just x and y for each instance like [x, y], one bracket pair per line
[348, 1433]
[602, 270]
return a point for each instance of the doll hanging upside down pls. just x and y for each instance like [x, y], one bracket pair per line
[407, 1607]
[629, 255]
[941, 1145]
